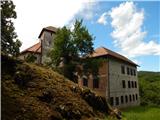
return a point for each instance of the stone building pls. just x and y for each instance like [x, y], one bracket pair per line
[117, 79]
[41, 48]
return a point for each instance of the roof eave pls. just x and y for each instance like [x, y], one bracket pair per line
[44, 29]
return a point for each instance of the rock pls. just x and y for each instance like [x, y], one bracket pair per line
[22, 78]
[46, 97]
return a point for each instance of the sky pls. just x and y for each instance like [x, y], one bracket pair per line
[131, 28]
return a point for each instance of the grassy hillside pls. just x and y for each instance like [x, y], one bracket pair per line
[31, 92]
[141, 113]
[149, 84]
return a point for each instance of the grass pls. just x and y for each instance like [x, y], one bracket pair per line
[140, 113]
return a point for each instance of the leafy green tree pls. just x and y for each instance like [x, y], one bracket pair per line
[9, 44]
[31, 58]
[69, 48]
[149, 86]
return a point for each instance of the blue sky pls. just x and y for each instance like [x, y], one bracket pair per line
[129, 28]
[151, 25]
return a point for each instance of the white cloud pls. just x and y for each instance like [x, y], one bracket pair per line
[127, 21]
[33, 15]
[103, 19]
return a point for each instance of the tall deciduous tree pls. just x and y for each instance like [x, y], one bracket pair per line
[9, 44]
[69, 47]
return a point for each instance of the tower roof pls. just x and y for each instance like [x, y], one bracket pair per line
[49, 29]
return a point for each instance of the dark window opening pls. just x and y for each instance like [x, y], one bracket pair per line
[112, 101]
[129, 85]
[126, 98]
[136, 97]
[130, 98]
[131, 71]
[127, 70]
[95, 83]
[134, 72]
[117, 100]
[122, 69]
[122, 100]
[123, 84]
[132, 84]
[133, 98]
[85, 82]
[135, 84]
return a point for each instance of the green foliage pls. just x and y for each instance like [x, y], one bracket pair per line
[31, 58]
[69, 46]
[9, 44]
[149, 85]
[91, 65]
[141, 113]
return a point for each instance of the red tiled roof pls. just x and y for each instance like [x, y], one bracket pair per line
[101, 51]
[49, 28]
[35, 48]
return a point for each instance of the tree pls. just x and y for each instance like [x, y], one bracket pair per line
[9, 44]
[69, 47]
[31, 58]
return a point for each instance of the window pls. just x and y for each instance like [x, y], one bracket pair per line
[95, 82]
[133, 98]
[127, 70]
[134, 72]
[122, 100]
[129, 85]
[117, 100]
[126, 98]
[122, 69]
[85, 82]
[132, 84]
[123, 84]
[130, 98]
[136, 97]
[112, 101]
[131, 71]
[135, 84]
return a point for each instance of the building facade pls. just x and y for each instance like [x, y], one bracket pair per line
[117, 80]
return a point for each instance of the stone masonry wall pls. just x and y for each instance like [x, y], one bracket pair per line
[47, 43]
[117, 91]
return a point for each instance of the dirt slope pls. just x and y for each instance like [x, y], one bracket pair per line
[31, 92]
